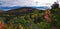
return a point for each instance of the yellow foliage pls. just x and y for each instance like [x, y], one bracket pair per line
[34, 15]
[21, 27]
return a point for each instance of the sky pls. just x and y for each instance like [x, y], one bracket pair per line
[7, 4]
[26, 2]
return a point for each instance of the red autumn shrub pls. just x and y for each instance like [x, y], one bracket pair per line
[1, 25]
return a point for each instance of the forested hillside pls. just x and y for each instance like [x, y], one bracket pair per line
[30, 18]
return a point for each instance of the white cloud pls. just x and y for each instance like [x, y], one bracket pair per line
[26, 2]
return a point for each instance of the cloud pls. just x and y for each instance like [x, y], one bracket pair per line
[26, 2]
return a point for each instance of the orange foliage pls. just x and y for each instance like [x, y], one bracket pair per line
[47, 16]
[1, 25]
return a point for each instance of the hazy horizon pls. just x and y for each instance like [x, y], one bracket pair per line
[27, 3]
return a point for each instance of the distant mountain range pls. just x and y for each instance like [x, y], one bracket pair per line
[22, 10]
[6, 8]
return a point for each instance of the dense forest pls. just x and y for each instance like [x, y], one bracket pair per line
[30, 18]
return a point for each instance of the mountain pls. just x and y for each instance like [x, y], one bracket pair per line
[22, 10]
[6, 8]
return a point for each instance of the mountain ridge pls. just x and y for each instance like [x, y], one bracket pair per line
[6, 8]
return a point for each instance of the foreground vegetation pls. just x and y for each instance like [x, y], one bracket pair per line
[33, 20]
